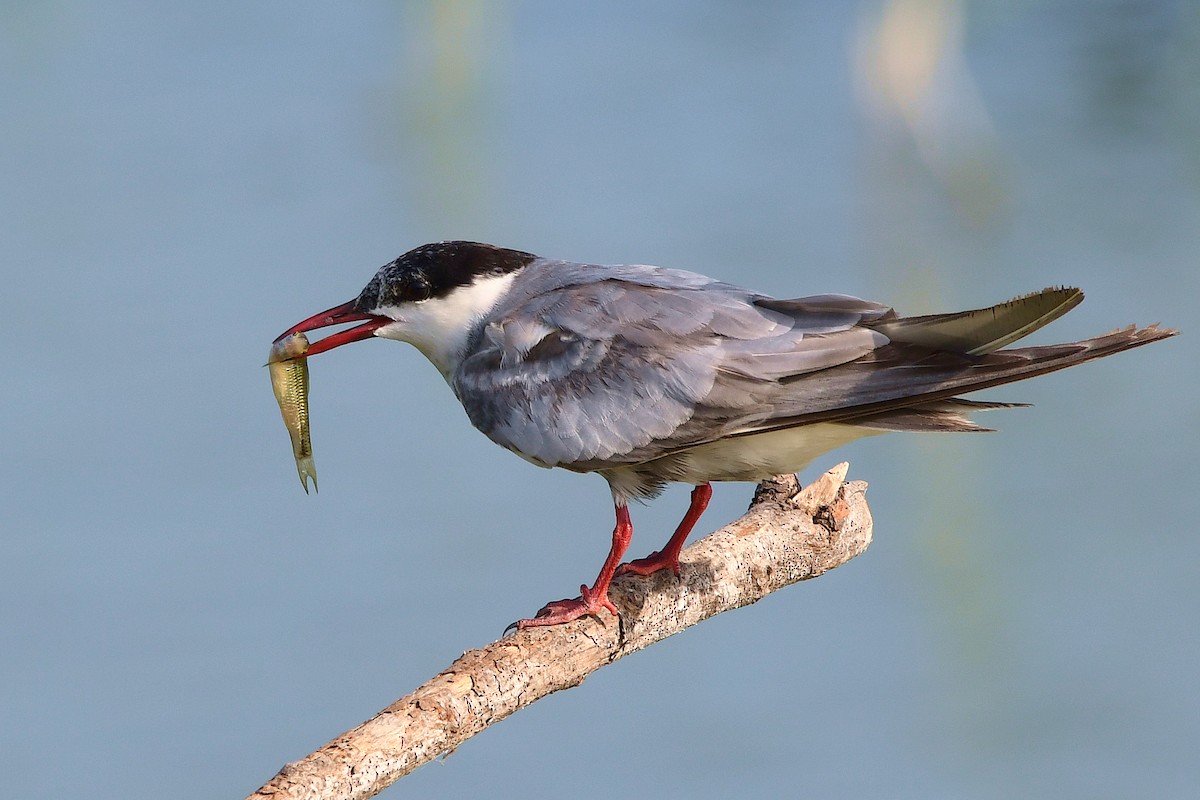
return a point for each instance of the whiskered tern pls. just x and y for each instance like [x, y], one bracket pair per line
[650, 376]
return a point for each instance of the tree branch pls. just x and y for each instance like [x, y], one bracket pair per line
[788, 535]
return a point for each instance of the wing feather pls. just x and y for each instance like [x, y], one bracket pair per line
[583, 372]
[590, 368]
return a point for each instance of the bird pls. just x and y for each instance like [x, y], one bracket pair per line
[650, 376]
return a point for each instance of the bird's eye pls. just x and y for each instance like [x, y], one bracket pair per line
[411, 288]
[416, 289]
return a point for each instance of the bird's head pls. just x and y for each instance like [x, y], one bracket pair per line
[431, 297]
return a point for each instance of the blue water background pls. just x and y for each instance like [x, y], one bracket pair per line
[181, 183]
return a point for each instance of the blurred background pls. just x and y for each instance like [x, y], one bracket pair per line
[181, 183]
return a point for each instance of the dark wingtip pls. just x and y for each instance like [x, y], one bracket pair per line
[1150, 333]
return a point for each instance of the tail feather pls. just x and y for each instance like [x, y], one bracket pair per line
[904, 376]
[983, 330]
[940, 415]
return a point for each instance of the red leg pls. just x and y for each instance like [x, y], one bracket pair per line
[668, 557]
[592, 600]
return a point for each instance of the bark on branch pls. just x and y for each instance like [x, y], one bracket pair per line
[788, 535]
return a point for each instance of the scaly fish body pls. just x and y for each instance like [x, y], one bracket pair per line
[289, 379]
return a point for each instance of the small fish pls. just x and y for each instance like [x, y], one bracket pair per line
[289, 379]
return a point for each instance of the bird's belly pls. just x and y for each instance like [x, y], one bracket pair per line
[759, 456]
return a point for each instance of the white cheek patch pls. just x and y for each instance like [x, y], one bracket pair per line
[440, 327]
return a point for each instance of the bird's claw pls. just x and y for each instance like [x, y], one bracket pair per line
[559, 611]
[649, 565]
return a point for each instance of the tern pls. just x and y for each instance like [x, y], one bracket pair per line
[650, 375]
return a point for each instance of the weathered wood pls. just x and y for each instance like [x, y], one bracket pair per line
[788, 535]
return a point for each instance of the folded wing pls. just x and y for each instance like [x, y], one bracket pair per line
[588, 374]
[583, 373]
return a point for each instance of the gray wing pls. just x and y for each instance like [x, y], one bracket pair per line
[589, 367]
[588, 372]
[911, 382]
